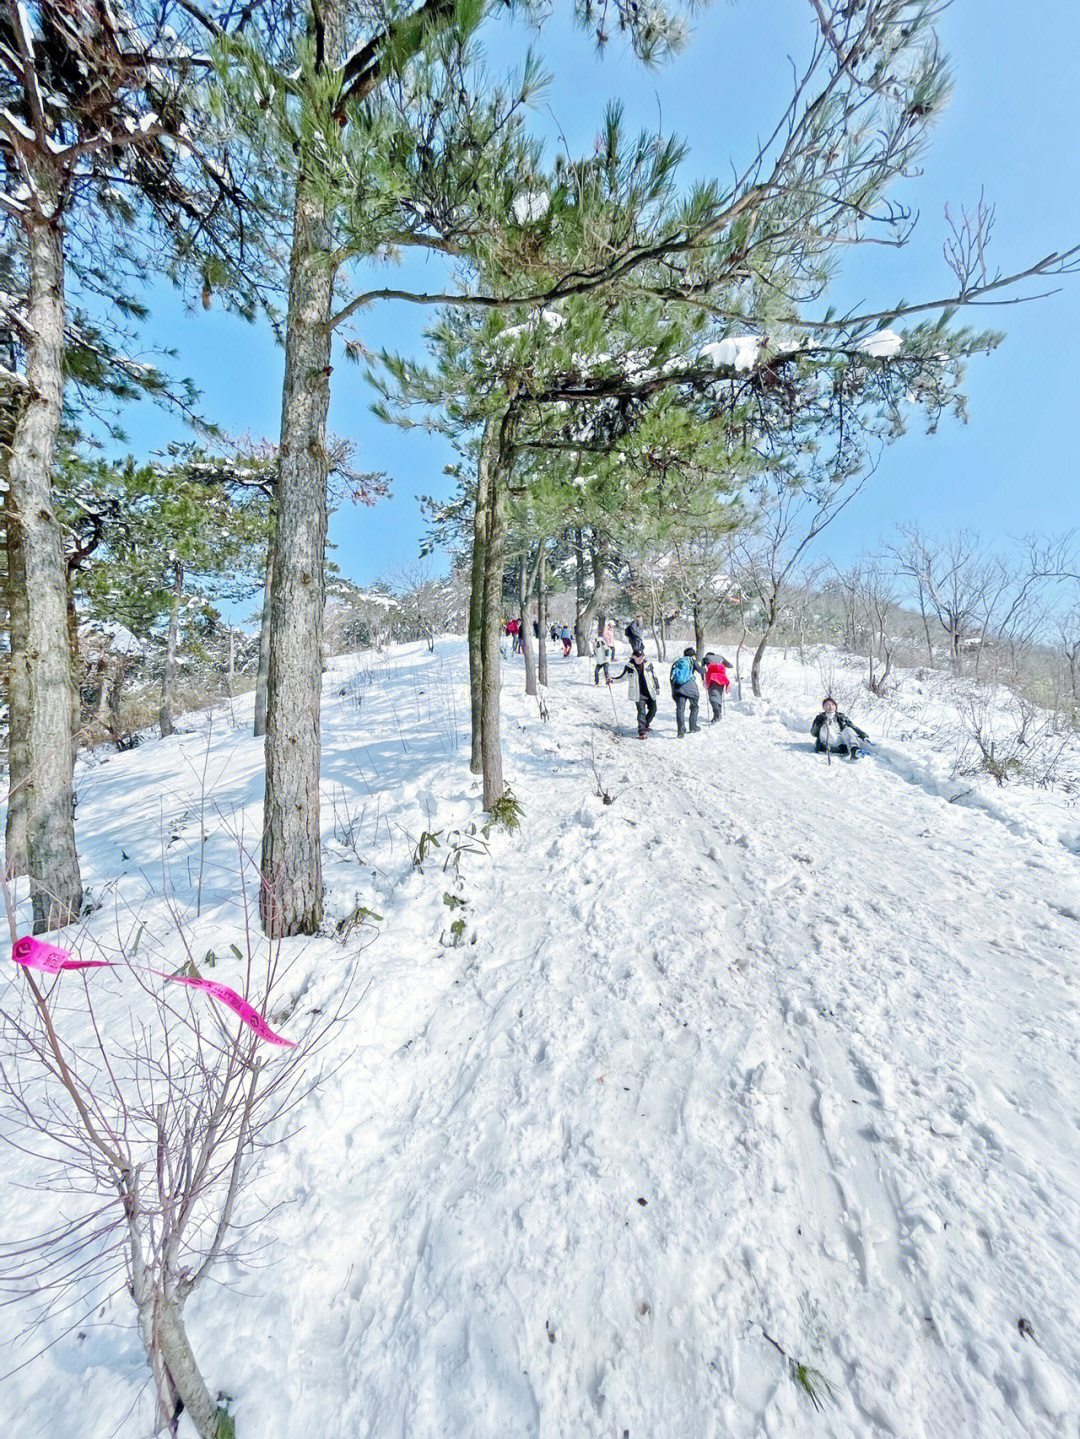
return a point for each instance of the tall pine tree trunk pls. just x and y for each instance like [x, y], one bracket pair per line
[52, 860]
[18, 691]
[699, 630]
[291, 894]
[524, 587]
[168, 678]
[587, 616]
[494, 558]
[101, 711]
[262, 674]
[111, 720]
[488, 447]
[75, 669]
[495, 551]
[542, 614]
[579, 592]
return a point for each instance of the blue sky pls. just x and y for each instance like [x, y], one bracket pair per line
[1012, 128]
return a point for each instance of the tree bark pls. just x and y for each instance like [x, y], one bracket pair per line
[52, 860]
[755, 665]
[579, 593]
[657, 629]
[116, 690]
[699, 631]
[588, 612]
[494, 557]
[168, 678]
[175, 1370]
[101, 712]
[73, 662]
[476, 592]
[18, 696]
[542, 615]
[291, 894]
[262, 674]
[526, 627]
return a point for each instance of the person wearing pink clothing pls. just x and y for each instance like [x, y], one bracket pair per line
[716, 684]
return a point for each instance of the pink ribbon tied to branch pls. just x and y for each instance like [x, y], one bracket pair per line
[248, 1013]
[36, 954]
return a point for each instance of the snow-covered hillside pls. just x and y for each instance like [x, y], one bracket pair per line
[765, 1055]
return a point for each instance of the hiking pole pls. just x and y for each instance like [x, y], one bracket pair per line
[614, 711]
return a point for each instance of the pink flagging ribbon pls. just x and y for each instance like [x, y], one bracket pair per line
[250, 1016]
[36, 954]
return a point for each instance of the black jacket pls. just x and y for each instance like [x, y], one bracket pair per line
[840, 720]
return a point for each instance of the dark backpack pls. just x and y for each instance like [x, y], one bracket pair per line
[682, 671]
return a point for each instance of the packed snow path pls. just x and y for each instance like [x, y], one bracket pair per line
[764, 1047]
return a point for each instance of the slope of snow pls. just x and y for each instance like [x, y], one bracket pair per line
[765, 1046]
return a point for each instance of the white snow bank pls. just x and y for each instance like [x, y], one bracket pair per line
[764, 1046]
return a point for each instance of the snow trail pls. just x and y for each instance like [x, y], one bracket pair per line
[763, 1047]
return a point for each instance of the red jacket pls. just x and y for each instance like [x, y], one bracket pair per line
[716, 675]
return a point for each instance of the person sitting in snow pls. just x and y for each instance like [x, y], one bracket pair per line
[643, 689]
[834, 731]
[716, 684]
[684, 690]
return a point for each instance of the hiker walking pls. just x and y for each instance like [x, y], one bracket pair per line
[604, 653]
[684, 690]
[834, 733]
[717, 684]
[643, 689]
[633, 634]
[566, 634]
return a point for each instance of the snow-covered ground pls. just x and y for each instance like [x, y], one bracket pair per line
[764, 1047]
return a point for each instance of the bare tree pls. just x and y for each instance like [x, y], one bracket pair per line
[790, 516]
[1068, 629]
[950, 578]
[155, 1128]
[979, 600]
[876, 595]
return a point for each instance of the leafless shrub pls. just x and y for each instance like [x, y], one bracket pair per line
[144, 1131]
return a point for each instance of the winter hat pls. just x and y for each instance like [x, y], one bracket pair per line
[689, 651]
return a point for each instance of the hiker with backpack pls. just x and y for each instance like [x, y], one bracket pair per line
[604, 654]
[834, 733]
[643, 689]
[684, 690]
[717, 684]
